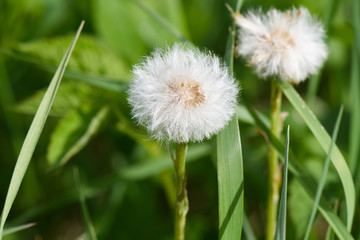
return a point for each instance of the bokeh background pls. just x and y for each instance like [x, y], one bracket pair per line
[127, 179]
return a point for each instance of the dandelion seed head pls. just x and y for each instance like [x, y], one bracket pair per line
[286, 44]
[182, 95]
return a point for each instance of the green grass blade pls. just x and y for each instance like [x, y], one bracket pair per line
[34, 132]
[88, 223]
[324, 139]
[280, 233]
[323, 176]
[11, 230]
[230, 167]
[354, 141]
[230, 181]
[331, 6]
[162, 21]
[303, 178]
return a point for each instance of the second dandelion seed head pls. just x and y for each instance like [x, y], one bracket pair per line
[286, 44]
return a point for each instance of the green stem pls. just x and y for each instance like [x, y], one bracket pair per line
[274, 173]
[182, 203]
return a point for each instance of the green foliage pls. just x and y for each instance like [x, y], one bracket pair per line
[129, 186]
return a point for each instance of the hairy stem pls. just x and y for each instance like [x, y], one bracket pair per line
[182, 203]
[274, 172]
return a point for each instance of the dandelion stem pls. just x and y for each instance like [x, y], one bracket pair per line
[274, 172]
[182, 203]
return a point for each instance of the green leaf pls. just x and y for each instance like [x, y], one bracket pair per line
[323, 176]
[324, 139]
[73, 133]
[33, 134]
[11, 230]
[69, 96]
[230, 167]
[90, 56]
[280, 233]
[303, 178]
[101, 81]
[84, 210]
[300, 205]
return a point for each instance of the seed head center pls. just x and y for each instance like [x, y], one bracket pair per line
[281, 39]
[187, 92]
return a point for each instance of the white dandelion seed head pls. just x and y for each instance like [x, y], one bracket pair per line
[287, 44]
[182, 95]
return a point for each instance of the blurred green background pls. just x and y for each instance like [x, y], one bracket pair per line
[127, 178]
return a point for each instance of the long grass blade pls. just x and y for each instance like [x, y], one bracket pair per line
[33, 134]
[324, 139]
[8, 231]
[300, 174]
[354, 141]
[88, 223]
[323, 176]
[230, 167]
[280, 233]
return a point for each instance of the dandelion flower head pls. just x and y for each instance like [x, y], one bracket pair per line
[285, 44]
[182, 95]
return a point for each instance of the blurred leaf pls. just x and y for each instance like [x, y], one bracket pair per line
[33, 134]
[324, 139]
[130, 31]
[101, 81]
[69, 96]
[329, 12]
[11, 230]
[177, 34]
[280, 233]
[323, 176]
[89, 56]
[299, 207]
[248, 231]
[151, 168]
[73, 133]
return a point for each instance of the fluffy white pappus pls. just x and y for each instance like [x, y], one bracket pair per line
[285, 44]
[182, 95]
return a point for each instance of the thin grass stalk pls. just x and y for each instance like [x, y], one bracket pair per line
[281, 223]
[84, 209]
[274, 174]
[182, 203]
